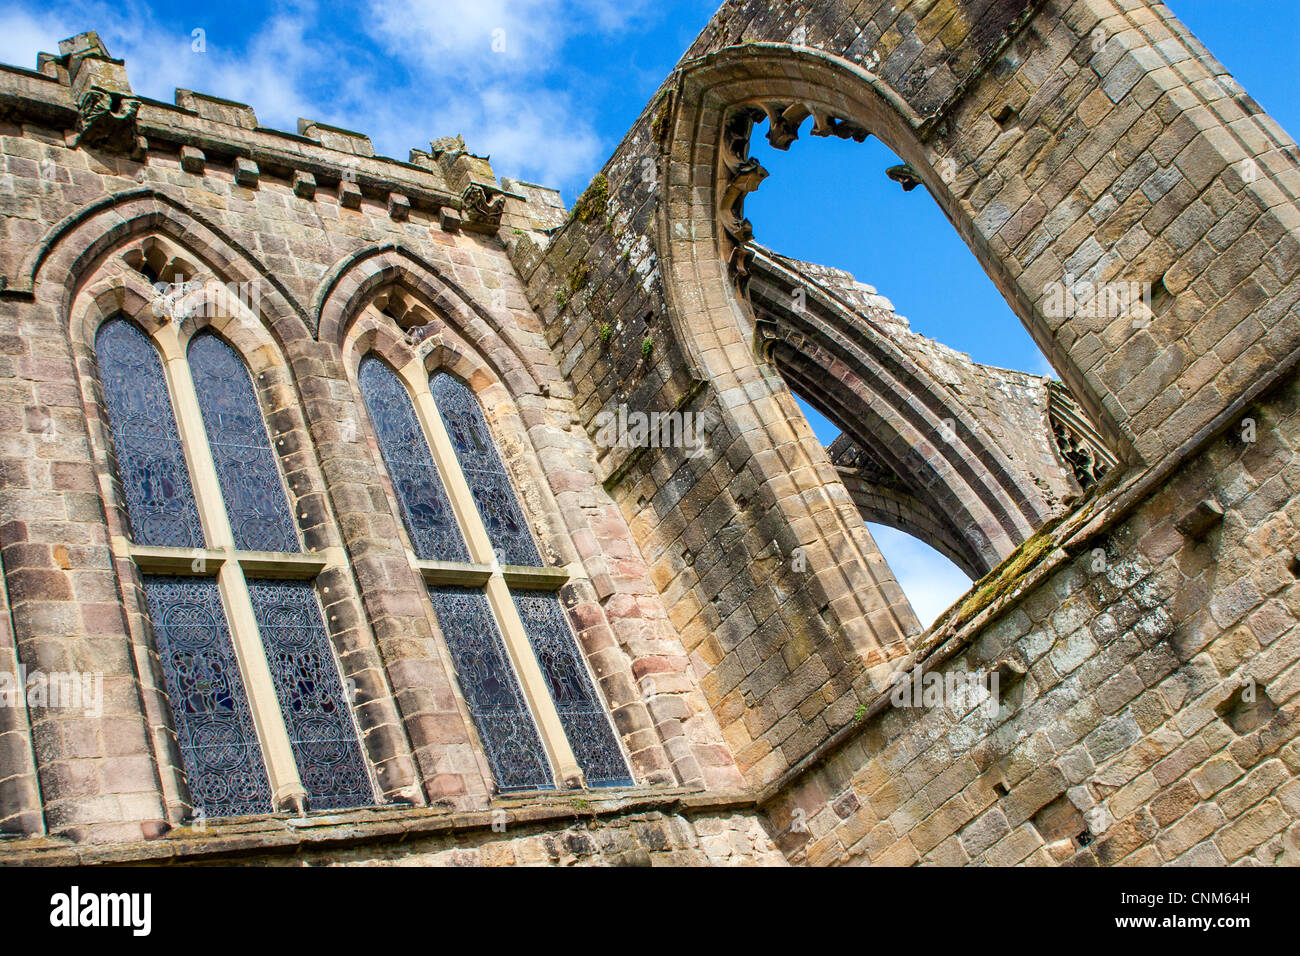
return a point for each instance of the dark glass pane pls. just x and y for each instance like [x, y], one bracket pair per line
[321, 731]
[426, 510]
[496, 702]
[246, 468]
[214, 727]
[484, 472]
[581, 711]
[155, 481]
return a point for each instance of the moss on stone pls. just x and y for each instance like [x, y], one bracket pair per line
[1006, 575]
[593, 200]
[659, 127]
[577, 278]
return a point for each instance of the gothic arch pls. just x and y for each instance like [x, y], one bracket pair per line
[703, 235]
[73, 246]
[353, 283]
[947, 465]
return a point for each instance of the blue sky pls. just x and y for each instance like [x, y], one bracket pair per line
[548, 88]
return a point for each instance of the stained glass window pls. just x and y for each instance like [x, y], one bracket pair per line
[496, 702]
[214, 726]
[581, 711]
[426, 510]
[484, 472]
[220, 744]
[151, 461]
[321, 732]
[246, 468]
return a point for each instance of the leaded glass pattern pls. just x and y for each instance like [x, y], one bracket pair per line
[484, 471]
[210, 712]
[580, 708]
[151, 461]
[496, 702]
[321, 731]
[246, 468]
[426, 509]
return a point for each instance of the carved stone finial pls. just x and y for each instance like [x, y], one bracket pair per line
[449, 146]
[107, 120]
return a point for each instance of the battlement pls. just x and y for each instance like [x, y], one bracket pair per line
[84, 90]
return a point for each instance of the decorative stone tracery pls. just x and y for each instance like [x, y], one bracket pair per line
[1077, 440]
[741, 174]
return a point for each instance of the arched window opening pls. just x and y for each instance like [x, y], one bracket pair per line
[257, 702]
[884, 243]
[523, 677]
[930, 579]
[898, 242]
[241, 449]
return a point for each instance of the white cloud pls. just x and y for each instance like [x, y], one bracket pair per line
[931, 582]
[403, 72]
[489, 36]
[26, 33]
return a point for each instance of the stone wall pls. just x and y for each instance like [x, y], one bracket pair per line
[745, 631]
[320, 227]
[1156, 719]
[1065, 140]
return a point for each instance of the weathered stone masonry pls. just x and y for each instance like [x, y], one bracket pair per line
[741, 623]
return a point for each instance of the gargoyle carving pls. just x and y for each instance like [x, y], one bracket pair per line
[481, 206]
[107, 119]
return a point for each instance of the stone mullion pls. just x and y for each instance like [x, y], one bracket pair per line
[531, 679]
[286, 786]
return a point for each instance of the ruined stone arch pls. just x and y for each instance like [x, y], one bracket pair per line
[704, 122]
[712, 109]
[939, 461]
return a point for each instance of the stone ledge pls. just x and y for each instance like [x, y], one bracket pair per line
[280, 834]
